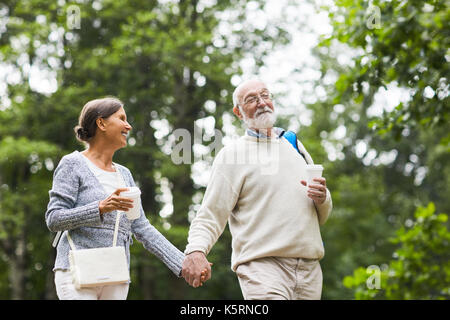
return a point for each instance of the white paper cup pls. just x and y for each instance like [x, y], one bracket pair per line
[135, 194]
[313, 171]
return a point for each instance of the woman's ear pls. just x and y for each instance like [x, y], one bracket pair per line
[101, 124]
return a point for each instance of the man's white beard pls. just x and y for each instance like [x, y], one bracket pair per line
[261, 119]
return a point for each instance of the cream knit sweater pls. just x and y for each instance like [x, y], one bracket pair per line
[255, 186]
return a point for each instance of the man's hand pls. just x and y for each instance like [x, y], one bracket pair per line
[317, 192]
[196, 269]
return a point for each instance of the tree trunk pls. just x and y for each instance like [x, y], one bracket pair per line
[17, 270]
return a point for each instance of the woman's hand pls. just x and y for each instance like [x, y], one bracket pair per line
[115, 202]
[196, 269]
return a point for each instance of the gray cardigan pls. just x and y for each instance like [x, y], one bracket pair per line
[73, 206]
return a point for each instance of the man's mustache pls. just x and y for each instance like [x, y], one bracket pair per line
[260, 111]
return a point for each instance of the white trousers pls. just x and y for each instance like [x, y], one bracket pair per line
[65, 289]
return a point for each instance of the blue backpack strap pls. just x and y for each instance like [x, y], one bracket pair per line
[291, 137]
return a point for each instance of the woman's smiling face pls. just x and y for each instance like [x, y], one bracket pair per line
[117, 128]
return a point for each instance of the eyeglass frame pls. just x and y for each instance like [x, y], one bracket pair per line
[257, 98]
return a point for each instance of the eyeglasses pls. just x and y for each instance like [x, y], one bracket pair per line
[266, 96]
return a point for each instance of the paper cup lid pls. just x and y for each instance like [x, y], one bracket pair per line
[314, 166]
[132, 191]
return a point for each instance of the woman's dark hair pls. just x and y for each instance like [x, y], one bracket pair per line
[94, 109]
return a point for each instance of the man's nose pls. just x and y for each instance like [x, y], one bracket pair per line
[261, 103]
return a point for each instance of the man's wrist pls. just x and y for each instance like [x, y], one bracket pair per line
[196, 251]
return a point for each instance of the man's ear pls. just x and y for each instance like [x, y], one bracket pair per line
[101, 124]
[237, 112]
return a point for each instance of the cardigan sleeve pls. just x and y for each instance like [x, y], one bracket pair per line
[154, 242]
[61, 211]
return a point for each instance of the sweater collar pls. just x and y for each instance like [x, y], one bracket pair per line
[277, 131]
[85, 165]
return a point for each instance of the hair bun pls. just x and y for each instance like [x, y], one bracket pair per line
[82, 133]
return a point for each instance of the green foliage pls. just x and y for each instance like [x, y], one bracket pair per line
[383, 164]
[20, 163]
[408, 47]
[25, 178]
[421, 265]
[22, 150]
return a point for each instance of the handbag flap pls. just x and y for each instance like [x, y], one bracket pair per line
[99, 266]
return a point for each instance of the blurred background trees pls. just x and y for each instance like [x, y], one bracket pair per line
[379, 124]
[384, 119]
[420, 268]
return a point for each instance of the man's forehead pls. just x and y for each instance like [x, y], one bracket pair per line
[252, 87]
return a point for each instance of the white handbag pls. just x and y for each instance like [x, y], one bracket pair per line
[99, 266]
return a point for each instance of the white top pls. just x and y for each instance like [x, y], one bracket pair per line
[267, 208]
[111, 181]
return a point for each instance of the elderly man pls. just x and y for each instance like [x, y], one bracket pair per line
[273, 215]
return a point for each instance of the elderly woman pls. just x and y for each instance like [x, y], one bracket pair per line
[85, 198]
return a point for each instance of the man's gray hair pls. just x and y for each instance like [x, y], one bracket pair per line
[235, 96]
[238, 88]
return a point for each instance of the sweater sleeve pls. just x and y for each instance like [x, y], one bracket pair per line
[324, 209]
[154, 242]
[218, 202]
[61, 212]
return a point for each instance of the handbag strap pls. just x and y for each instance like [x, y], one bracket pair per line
[72, 246]
[116, 228]
[116, 231]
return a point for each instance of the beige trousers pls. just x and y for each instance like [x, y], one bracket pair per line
[276, 278]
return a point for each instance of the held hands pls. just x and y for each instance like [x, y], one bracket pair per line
[115, 202]
[196, 269]
[317, 192]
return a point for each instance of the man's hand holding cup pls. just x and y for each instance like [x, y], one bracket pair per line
[317, 185]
